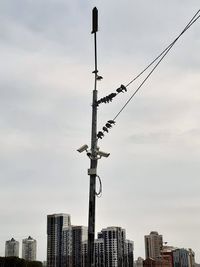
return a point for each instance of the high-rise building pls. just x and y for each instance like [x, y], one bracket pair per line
[67, 247]
[73, 239]
[12, 248]
[79, 235]
[55, 225]
[99, 250]
[99, 253]
[111, 249]
[116, 247]
[153, 245]
[129, 258]
[29, 247]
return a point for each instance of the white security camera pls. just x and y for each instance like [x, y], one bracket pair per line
[103, 154]
[82, 148]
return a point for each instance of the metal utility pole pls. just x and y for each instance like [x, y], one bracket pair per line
[93, 158]
[94, 153]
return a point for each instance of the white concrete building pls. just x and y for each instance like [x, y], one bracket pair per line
[29, 249]
[12, 248]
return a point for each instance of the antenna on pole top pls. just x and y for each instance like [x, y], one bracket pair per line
[94, 20]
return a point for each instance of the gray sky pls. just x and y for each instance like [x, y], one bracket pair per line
[151, 179]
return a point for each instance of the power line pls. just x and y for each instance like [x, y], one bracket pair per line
[161, 56]
[189, 24]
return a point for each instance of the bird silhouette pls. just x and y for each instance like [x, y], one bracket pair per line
[100, 135]
[99, 78]
[111, 121]
[105, 129]
[108, 125]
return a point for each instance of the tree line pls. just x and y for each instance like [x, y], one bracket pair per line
[17, 262]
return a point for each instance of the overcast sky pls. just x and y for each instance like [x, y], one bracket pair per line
[151, 181]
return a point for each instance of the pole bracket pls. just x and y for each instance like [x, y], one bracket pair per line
[92, 171]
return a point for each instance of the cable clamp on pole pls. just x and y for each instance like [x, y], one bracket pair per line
[92, 171]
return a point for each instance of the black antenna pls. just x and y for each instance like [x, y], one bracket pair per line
[94, 20]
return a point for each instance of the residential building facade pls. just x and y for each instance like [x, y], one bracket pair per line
[12, 248]
[118, 251]
[55, 225]
[29, 249]
[153, 245]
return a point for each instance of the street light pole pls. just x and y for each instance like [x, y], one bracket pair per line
[93, 153]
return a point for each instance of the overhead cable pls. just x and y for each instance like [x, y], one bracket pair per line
[160, 57]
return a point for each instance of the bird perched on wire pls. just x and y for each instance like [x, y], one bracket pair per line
[121, 89]
[111, 121]
[99, 78]
[100, 135]
[108, 125]
[105, 129]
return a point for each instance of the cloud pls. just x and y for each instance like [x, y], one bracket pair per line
[45, 103]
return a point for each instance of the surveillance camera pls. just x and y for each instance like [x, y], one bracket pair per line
[82, 148]
[103, 154]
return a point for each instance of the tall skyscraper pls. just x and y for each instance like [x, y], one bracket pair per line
[67, 247]
[79, 235]
[73, 239]
[111, 249]
[153, 245]
[12, 248]
[99, 249]
[129, 258]
[29, 247]
[55, 225]
[115, 246]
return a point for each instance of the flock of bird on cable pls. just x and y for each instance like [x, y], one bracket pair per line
[122, 88]
[105, 100]
[108, 98]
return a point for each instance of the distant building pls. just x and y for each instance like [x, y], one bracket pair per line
[153, 245]
[118, 250]
[29, 248]
[67, 246]
[79, 235]
[129, 258]
[191, 258]
[99, 253]
[84, 253]
[73, 239]
[111, 249]
[12, 248]
[114, 243]
[139, 262]
[55, 225]
[178, 257]
[99, 250]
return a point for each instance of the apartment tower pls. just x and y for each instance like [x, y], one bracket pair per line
[29, 247]
[114, 245]
[73, 240]
[55, 225]
[12, 248]
[153, 245]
